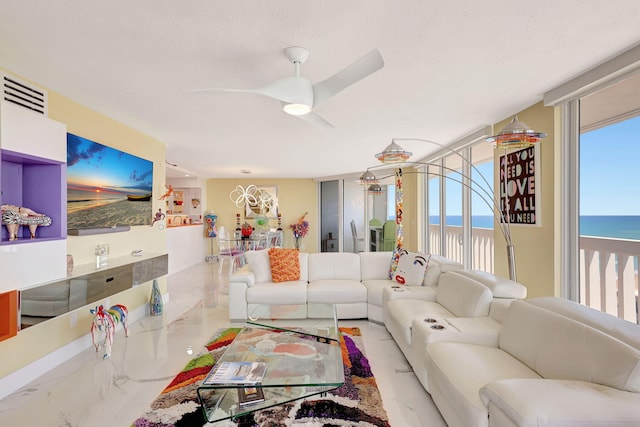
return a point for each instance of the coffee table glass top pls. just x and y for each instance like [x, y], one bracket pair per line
[303, 357]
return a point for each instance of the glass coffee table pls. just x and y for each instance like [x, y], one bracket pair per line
[300, 345]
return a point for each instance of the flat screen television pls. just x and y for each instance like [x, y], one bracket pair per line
[106, 188]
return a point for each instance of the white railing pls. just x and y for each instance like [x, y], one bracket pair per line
[481, 242]
[608, 277]
[608, 267]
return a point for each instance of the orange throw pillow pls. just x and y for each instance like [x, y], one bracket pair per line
[285, 264]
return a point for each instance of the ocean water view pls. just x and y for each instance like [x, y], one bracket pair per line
[611, 226]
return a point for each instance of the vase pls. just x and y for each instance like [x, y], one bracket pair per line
[155, 304]
[297, 242]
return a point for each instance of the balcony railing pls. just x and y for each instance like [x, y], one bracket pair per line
[608, 267]
[481, 242]
[608, 276]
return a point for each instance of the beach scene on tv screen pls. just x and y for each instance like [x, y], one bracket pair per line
[106, 187]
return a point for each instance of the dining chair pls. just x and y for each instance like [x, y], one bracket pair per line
[275, 239]
[389, 235]
[229, 249]
[354, 235]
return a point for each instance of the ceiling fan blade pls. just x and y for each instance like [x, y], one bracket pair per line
[291, 90]
[214, 89]
[316, 120]
[368, 64]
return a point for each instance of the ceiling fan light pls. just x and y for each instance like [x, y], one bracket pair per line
[296, 109]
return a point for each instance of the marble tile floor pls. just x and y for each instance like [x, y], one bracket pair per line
[89, 391]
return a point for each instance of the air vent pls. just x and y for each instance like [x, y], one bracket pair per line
[24, 94]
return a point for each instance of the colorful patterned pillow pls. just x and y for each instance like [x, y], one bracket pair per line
[411, 268]
[285, 264]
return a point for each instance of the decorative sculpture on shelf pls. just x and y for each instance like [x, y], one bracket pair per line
[167, 193]
[156, 304]
[14, 216]
[159, 216]
[247, 230]
[107, 320]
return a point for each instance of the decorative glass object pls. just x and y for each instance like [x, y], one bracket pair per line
[238, 232]
[102, 255]
[69, 263]
[155, 304]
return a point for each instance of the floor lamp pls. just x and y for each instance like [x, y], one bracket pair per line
[514, 135]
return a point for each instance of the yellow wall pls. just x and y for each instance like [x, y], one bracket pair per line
[534, 245]
[410, 216]
[295, 197]
[37, 341]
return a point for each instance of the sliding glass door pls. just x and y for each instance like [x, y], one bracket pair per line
[609, 202]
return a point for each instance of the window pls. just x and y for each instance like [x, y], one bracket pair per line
[460, 206]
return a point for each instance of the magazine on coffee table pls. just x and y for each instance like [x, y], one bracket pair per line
[236, 373]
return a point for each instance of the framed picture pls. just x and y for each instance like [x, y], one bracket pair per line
[267, 203]
[106, 187]
[520, 186]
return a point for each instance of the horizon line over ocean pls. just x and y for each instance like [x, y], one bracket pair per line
[611, 226]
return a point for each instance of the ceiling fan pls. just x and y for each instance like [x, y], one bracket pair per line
[299, 97]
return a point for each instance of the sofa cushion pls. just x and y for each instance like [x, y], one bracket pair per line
[294, 292]
[540, 402]
[336, 291]
[375, 288]
[374, 265]
[401, 312]
[438, 265]
[562, 348]
[334, 266]
[259, 263]
[499, 286]
[285, 264]
[463, 296]
[411, 268]
[624, 330]
[457, 371]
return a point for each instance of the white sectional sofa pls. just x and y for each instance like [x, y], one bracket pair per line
[353, 282]
[468, 307]
[556, 363]
[487, 356]
[374, 272]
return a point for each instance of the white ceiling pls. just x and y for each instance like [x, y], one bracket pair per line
[451, 67]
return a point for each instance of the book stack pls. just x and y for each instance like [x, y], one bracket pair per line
[250, 395]
[246, 374]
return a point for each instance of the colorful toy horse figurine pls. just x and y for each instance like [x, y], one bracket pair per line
[107, 320]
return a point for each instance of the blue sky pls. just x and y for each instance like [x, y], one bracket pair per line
[454, 193]
[610, 170]
[609, 180]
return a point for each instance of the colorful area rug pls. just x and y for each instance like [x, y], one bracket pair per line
[355, 404]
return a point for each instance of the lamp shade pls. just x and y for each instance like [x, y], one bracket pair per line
[516, 135]
[393, 154]
[374, 189]
[368, 178]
